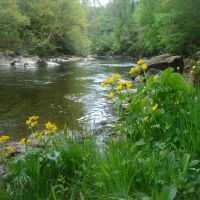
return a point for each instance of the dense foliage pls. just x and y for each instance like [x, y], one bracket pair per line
[147, 27]
[43, 26]
[144, 27]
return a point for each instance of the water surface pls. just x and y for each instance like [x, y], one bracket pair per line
[69, 93]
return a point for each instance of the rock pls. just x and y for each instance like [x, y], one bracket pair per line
[24, 62]
[5, 62]
[58, 60]
[6, 57]
[189, 63]
[51, 64]
[162, 62]
[1, 55]
[89, 59]
[9, 53]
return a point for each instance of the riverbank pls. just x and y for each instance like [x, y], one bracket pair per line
[155, 156]
[10, 58]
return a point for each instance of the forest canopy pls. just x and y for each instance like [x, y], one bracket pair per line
[146, 27]
[43, 26]
[133, 27]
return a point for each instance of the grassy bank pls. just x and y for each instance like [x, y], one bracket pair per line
[156, 155]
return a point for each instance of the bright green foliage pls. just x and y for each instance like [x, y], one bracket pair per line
[111, 27]
[11, 21]
[172, 26]
[158, 106]
[44, 26]
[147, 27]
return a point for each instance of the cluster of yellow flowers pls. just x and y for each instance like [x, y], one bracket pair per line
[32, 121]
[119, 85]
[126, 84]
[137, 68]
[134, 69]
[110, 79]
[50, 127]
[9, 149]
[115, 76]
[4, 138]
[24, 141]
[5, 151]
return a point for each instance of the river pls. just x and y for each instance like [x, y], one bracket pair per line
[66, 94]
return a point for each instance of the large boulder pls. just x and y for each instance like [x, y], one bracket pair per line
[162, 62]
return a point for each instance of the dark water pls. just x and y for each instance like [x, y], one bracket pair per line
[69, 93]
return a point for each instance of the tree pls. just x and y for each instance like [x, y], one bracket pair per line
[11, 21]
[46, 26]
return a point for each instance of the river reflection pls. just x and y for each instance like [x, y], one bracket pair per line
[69, 93]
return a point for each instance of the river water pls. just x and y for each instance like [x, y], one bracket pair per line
[69, 93]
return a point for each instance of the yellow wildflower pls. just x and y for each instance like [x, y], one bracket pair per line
[108, 80]
[137, 68]
[144, 67]
[120, 83]
[194, 67]
[128, 84]
[32, 121]
[132, 70]
[116, 75]
[111, 94]
[198, 62]
[178, 68]
[119, 87]
[155, 107]
[191, 71]
[50, 126]
[4, 138]
[102, 84]
[8, 149]
[140, 62]
[24, 141]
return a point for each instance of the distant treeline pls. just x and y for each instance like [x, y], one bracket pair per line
[134, 27]
[146, 27]
[43, 26]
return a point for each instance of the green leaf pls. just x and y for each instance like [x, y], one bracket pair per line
[172, 193]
